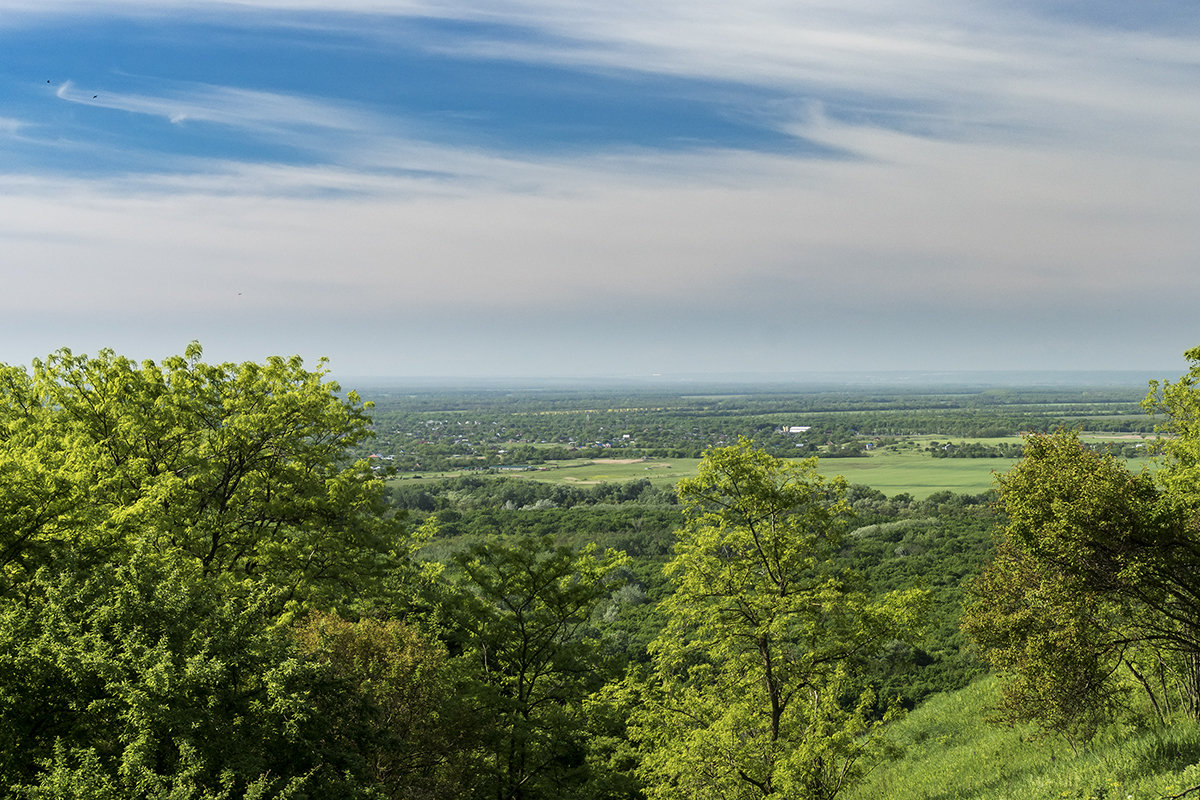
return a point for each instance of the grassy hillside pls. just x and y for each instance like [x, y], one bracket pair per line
[950, 754]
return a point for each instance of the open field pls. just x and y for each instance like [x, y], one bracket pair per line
[890, 473]
[917, 473]
[659, 471]
[908, 470]
[583, 472]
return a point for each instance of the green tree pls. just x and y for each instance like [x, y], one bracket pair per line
[390, 707]
[753, 689]
[1058, 643]
[1092, 589]
[241, 468]
[160, 526]
[525, 617]
[143, 680]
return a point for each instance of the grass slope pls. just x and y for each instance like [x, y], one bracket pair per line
[951, 754]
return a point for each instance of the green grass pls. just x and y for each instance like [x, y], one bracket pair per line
[586, 472]
[951, 754]
[917, 473]
[890, 473]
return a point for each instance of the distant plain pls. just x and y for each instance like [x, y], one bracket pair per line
[909, 469]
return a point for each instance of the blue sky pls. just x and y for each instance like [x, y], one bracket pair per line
[547, 188]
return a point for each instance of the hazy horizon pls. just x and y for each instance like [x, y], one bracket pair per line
[765, 382]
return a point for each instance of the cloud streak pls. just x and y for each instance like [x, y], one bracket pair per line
[256, 111]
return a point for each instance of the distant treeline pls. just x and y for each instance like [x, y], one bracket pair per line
[439, 432]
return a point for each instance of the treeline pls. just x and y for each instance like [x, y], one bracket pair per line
[485, 491]
[438, 432]
[975, 450]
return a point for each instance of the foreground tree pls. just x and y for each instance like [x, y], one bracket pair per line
[1060, 646]
[243, 469]
[753, 690]
[389, 707]
[160, 528]
[139, 681]
[1093, 588]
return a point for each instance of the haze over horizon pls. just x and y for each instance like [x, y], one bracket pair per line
[548, 188]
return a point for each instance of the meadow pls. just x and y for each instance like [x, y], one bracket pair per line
[907, 468]
[889, 472]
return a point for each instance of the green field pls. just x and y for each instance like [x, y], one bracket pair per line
[660, 471]
[586, 472]
[890, 473]
[919, 474]
[908, 469]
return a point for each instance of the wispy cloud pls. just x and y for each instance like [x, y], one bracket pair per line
[943, 71]
[257, 111]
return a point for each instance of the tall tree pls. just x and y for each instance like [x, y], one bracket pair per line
[1093, 586]
[752, 691]
[160, 524]
[525, 617]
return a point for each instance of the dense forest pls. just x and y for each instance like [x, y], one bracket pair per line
[212, 587]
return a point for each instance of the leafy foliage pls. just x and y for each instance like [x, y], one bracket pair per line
[752, 690]
[160, 525]
[524, 615]
[241, 468]
[389, 706]
[1093, 586]
[146, 681]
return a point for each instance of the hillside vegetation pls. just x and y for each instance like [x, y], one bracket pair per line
[946, 753]
[215, 585]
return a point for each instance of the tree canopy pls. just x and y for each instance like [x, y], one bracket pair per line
[160, 525]
[1093, 587]
[243, 469]
[753, 690]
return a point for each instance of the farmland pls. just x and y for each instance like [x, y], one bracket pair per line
[909, 441]
[889, 472]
